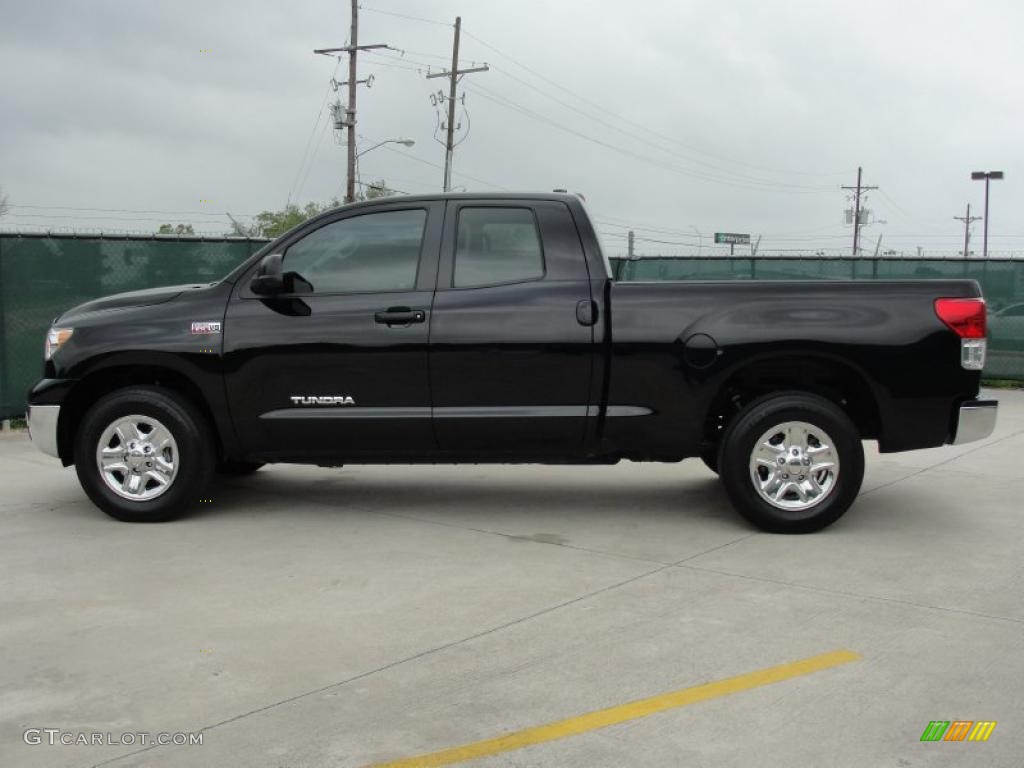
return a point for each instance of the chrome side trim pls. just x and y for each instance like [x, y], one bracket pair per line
[452, 412]
[511, 411]
[976, 421]
[42, 427]
[347, 413]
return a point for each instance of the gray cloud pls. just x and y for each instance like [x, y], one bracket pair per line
[685, 116]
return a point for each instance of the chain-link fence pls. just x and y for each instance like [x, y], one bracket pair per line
[43, 275]
[1002, 282]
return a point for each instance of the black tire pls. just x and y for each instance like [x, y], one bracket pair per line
[238, 468]
[752, 423]
[195, 453]
[709, 455]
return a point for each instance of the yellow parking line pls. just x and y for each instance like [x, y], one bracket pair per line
[632, 710]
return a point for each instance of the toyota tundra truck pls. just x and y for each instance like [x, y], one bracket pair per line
[488, 328]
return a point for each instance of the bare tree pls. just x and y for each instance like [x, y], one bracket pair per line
[4, 205]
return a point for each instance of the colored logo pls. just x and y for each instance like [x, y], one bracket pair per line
[205, 329]
[958, 730]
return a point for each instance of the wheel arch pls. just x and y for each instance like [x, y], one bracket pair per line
[818, 373]
[97, 383]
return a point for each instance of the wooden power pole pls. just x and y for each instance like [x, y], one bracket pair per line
[967, 220]
[353, 81]
[453, 75]
[858, 190]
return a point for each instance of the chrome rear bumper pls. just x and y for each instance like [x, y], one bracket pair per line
[976, 421]
[42, 427]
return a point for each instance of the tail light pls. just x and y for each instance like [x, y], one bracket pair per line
[967, 318]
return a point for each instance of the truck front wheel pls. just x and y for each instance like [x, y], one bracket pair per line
[792, 462]
[143, 454]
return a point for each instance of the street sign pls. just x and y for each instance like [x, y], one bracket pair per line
[731, 238]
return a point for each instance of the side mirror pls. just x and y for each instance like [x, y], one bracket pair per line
[269, 278]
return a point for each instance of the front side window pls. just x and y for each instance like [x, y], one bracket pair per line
[495, 246]
[370, 253]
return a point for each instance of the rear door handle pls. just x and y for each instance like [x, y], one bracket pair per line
[400, 316]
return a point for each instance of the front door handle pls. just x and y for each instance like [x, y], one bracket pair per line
[400, 316]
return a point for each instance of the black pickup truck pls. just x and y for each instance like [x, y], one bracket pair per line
[487, 328]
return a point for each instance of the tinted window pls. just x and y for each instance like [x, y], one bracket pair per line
[372, 252]
[497, 245]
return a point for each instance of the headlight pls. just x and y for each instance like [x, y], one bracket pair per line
[55, 339]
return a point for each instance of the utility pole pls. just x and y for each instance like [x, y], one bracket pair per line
[967, 220]
[987, 176]
[453, 75]
[350, 110]
[630, 250]
[858, 190]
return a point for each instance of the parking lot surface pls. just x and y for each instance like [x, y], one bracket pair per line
[347, 617]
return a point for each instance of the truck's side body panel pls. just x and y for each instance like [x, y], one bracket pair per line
[675, 345]
[332, 345]
[511, 364]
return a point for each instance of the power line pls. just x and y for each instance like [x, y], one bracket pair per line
[405, 16]
[410, 156]
[678, 232]
[121, 210]
[604, 110]
[656, 145]
[312, 133]
[312, 159]
[660, 163]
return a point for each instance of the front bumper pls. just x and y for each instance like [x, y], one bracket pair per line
[976, 420]
[42, 427]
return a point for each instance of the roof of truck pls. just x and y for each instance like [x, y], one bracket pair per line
[563, 197]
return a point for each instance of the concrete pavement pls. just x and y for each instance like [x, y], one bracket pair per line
[315, 617]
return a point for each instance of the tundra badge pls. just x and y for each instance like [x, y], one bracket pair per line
[322, 400]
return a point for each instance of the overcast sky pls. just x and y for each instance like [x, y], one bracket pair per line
[675, 118]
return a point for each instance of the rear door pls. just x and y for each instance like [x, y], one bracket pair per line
[511, 332]
[339, 369]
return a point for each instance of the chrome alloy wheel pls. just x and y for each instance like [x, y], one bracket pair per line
[794, 466]
[137, 457]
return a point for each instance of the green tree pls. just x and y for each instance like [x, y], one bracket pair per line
[175, 229]
[273, 223]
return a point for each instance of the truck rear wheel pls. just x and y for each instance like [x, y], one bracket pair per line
[143, 454]
[792, 463]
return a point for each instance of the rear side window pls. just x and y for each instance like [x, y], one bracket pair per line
[362, 254]
[495, 246]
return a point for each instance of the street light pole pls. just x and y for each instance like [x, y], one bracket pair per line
[987, 176]
[403, 141]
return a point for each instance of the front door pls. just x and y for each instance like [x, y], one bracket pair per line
[511, 339]
[337, 369]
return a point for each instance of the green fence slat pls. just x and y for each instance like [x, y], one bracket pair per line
[41, 277]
